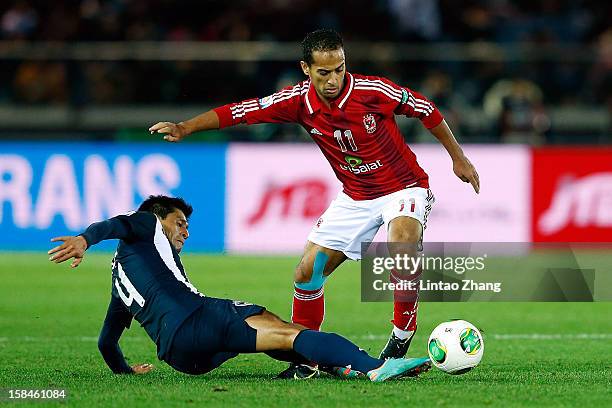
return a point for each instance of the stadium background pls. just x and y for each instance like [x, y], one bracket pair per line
[525, 86]
[82, 81]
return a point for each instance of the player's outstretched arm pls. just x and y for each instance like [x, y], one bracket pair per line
[462, 167]
[175, 132]
[135, 226]
[117, 319]
[280, 107]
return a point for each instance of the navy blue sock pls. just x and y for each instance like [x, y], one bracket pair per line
[330, 349]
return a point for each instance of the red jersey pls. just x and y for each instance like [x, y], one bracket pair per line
[357, 134]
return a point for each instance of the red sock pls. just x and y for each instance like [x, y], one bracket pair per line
[405, 315]
[405, 306]
[308, 308]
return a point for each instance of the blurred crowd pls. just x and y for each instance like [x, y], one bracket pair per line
[517, 93]
[288, 20]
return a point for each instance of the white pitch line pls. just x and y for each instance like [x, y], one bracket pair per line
[494, 336]
[543, 336]
[521, 336]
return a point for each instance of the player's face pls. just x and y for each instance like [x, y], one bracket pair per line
[175, 227]
[326, 73]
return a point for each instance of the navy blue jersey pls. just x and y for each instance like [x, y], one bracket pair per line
[148, 279]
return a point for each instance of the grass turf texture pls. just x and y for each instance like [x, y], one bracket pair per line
[50, 316]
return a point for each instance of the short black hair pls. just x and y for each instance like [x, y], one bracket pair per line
[321, 40]
[162, 205]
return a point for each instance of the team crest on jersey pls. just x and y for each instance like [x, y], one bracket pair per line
[369, 123]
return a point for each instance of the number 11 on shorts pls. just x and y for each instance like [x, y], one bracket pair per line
[412, 205]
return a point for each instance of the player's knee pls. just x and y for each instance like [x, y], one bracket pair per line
[311, 275]
[303, 273]
[286, 335]
[404, 229]
[408, 237]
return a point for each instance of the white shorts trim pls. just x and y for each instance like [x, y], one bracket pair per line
[347, 223]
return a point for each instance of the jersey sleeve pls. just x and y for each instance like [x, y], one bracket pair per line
[130, 227]
[412, 104]
[118, 318]
[280, 107]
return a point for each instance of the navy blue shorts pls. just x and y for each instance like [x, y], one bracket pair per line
[213, 334]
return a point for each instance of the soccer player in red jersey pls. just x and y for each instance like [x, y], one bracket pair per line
[351, 117]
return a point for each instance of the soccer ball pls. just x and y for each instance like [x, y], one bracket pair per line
[455, 347]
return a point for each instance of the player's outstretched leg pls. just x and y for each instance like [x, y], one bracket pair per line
[331, 349]
[328, 349]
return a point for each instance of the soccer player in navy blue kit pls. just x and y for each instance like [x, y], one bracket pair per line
[194, 333]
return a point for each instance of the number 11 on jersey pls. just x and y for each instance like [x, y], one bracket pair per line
[349, 136]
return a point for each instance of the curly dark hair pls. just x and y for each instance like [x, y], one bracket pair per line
[321, 40]
[162, 205]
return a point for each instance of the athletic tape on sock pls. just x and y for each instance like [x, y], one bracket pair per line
[317, 280]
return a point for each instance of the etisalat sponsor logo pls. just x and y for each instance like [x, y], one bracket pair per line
[405, 264]
[357, 166]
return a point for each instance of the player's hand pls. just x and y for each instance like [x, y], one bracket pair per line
[465, 170]
[173, 132]
[72, 247]
[142, 368]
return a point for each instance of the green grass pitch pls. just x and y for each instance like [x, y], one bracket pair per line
[536, 354]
